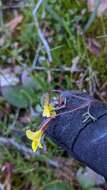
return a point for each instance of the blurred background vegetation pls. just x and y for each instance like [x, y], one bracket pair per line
[62, 46]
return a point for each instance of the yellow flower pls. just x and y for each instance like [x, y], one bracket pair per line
[36, 138]
[48, 110]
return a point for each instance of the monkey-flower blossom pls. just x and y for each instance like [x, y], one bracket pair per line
[48, 110]
[36, 138]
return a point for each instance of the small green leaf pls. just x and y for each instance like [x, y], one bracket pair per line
[57, 185]
[85, 181]
[15, 97]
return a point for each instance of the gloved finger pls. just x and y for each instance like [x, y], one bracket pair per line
[70, 115]
[66, 128]
[74, 98]
[91, 146]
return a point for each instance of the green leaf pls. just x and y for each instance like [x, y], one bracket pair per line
[84, 180]
[15, 97]
[92, 17]
[57, 185]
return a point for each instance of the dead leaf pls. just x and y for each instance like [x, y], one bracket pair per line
[75, 68]
[65, 169]
[93, 46]
[7, 169]
[102, 92]
[14, 22]
[25, 119]
[101, 9]
[47, 30]
[11, 26]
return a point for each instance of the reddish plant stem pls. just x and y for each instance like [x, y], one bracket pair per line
[44, 125]
[88, 103]
[72, 95]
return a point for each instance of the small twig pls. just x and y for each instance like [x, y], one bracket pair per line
[62, 69]
[10, 142]
[40, 33]
[4, 7]
[40, 2]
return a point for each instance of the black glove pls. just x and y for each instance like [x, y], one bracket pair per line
[81, 130]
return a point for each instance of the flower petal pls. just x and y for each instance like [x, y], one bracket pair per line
[53, 113]
[30, 135]
[40, 145]
[34, 146]
[38, 134]
[48, 110]
[46, 113]
[36, 138]
[50, 106]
